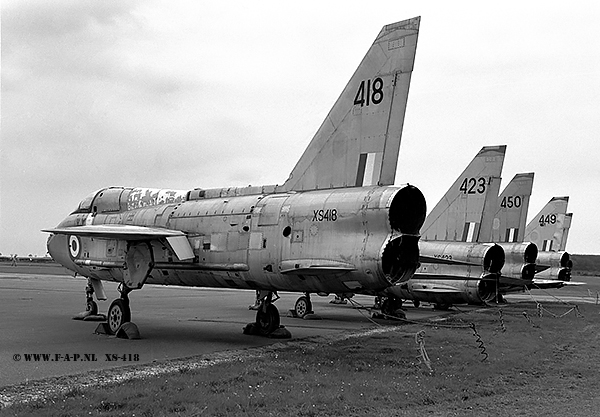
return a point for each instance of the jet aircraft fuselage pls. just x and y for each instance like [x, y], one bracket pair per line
[299, 241]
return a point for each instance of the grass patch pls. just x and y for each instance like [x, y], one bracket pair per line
[536, 365]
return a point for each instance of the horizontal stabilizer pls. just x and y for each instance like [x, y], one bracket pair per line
[553, 283]
[540, 268]
[443, 277]
[443, 261]
[518, 282]
[314, 267]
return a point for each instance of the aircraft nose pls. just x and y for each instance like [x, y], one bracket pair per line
[58, 249]
[51, 245]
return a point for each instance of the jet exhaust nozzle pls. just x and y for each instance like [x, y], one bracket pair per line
[493, 259]
[400, 258]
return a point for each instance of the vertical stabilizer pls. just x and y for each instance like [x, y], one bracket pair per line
[459, 215]
[510, 218]
[565, 234]
[358, 143]
[546, 228]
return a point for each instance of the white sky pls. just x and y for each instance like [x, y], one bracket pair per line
[184, 94]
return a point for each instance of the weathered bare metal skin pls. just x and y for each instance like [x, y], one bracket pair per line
[452, 273]
[250, 241]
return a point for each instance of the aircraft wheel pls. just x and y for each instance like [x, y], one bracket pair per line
[91, 308]
[267, 321]
[118, 313]
[391, 305]
[303, 307]
[416, 303]
[440, 306]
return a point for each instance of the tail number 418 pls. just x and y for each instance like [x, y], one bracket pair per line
[369, 92]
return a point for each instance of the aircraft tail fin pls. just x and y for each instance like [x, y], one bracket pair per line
[510, 217]
[359, 141]
[546, 228]
[459, 215]
[566, 227]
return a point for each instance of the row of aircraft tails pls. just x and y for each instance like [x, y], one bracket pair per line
[476, 244]
[337, 225]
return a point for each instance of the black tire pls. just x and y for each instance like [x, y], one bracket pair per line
[118, 313]
[390, 305]
[267, 321]
[303, 307]
[91, 308]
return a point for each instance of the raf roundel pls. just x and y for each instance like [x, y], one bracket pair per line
[74, 246]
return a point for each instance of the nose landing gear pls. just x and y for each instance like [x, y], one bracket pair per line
[91, 307]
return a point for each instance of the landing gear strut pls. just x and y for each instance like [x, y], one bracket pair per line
[267, 318]
[119, 311]
[91, 308]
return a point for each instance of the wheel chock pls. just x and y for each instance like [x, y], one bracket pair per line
[128, 331]
[312, 316]
[95, 317]
[281, 333]
[81, 316]
[102, 329]
[251, 329]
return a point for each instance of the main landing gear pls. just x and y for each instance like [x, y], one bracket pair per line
[119, 311]
[267, 318]
[390, 306]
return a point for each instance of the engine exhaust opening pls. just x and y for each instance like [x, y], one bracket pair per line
[564, 274]
[400, 258]
[531, 253]
[494, 259]
[408, 210]
[528, 271]
[565, 260]
[486, 289]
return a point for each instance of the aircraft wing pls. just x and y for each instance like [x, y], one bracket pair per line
[116, 231]
[176, 238]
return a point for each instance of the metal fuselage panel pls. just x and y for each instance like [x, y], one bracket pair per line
[244, 241]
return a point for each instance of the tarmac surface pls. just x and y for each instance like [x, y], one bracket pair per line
[174, 322]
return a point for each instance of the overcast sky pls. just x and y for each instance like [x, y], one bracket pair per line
[185, 94]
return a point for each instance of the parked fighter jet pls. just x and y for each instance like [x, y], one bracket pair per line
[546, 229]
[455, 267]
[456, 283]
[336, 225]
[549, 229]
